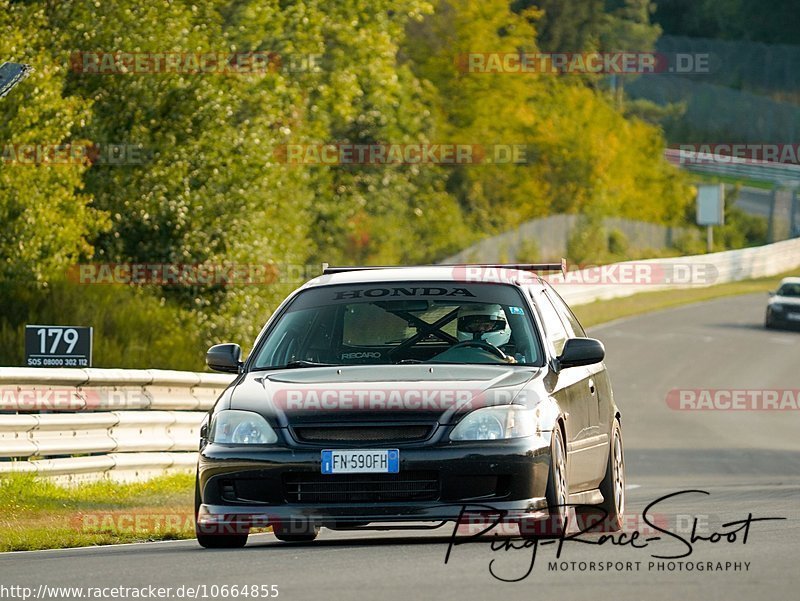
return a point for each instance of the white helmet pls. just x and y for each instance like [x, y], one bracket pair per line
[483, 322]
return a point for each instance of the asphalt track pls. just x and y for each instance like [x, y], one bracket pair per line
[749, 462]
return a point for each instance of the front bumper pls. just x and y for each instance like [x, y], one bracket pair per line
[257, 486]
[785, 318]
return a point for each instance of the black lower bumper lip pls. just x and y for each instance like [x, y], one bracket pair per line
[356, 515]
[785, 322]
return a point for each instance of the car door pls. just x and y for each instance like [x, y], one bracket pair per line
[568, 391]
[595, 394]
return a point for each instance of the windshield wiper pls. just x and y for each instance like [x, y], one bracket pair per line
[304, 363]
[296, 365]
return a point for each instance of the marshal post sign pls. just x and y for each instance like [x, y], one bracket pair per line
[58, 346]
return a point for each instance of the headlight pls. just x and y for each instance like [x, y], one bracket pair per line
[495, 423]
[241, 427]
[776, 307]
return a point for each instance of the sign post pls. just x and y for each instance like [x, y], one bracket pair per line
[58, 346]
[710, 209]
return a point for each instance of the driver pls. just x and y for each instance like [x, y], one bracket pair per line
[487, 323]
[482, 325]
[483, 322]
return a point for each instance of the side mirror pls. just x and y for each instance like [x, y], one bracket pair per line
[225, 357]
[581, 351]
[203, 434]
[771, 293]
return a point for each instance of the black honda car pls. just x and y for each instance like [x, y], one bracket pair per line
[402, 396]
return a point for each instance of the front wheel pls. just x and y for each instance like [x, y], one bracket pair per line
[556, 493]
[206, 535]
[220, 541]
[608, 516]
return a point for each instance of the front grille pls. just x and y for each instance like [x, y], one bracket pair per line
[361, 488]
[402, 433]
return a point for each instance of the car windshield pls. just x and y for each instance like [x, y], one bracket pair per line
[405, 322]
[789, 290]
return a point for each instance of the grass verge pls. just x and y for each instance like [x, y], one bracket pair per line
[598, 312]
[36, 513]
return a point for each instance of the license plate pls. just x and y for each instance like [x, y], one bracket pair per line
[361, 461]
[793, 316]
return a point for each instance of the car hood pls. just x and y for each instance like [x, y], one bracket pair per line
[393, 393]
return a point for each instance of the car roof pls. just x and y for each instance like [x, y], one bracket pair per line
[791, 280]
[435, 273]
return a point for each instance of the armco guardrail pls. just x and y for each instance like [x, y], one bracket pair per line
[134, 424]
[716, 164]
[82, 424]
[695, 271]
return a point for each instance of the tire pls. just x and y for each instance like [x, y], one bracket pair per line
[290, 533]
[556, 493]
[221, 541]
[768, 323]
[214, 540]
[612, 509]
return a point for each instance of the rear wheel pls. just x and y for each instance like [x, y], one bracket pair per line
[608, 515]
[209, 537]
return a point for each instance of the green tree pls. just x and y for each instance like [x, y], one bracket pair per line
[48, 220]
[565, 25]
[210, 190]
[772, 23]
[583, 154]
[625, 26]
[365, 94]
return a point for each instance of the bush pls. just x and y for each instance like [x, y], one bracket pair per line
[528, 251]
[690, 243]
[588, 242]
[742, 230]
[618, 244]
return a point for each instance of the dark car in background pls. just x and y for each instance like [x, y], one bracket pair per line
[783, 309]
[394, 396]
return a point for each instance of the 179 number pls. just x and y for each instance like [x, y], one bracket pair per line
[69, 336]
